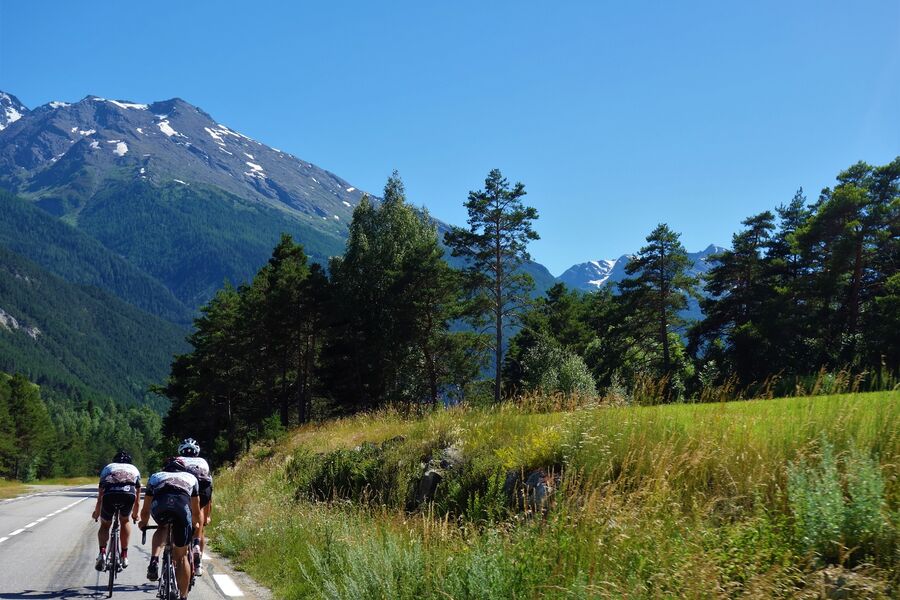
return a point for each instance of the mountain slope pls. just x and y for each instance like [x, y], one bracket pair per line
[181, 196]
[70, 337]
[76, 257]
[61, 154]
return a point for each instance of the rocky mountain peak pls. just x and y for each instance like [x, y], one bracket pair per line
[11, 110]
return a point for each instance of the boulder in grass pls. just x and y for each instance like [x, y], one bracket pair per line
[434, 470]
[533, 492]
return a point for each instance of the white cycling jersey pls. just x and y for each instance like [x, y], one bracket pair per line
[178, 482]
[120, 477]
[198, 467]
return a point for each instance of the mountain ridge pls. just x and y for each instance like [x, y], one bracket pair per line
[595, 274]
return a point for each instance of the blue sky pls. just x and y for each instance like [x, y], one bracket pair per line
[616, 116]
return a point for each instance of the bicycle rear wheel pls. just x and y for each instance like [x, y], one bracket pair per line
[112, 553]
[173, 583]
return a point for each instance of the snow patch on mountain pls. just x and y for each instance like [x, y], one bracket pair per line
[12, 115]
[167, 129]
[125, 105]
[215, 134]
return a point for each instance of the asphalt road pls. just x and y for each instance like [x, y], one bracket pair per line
[48, 544]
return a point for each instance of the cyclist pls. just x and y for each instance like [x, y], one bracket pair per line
[172, 498]
[189, 452]
[119, 489]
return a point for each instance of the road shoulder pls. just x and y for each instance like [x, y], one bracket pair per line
[218, 565]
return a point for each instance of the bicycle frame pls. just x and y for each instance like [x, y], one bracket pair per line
[112, 552]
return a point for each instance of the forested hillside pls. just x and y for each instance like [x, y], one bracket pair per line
[65, 434]
[80, 340]
[78, 258]
[193, 238]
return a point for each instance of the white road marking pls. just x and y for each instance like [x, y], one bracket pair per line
[33, 523]
[227, 585]
[3, 539]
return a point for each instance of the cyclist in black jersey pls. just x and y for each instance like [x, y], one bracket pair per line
[172, 498]
[119, 489]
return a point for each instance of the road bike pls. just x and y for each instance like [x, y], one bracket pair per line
[168, 583]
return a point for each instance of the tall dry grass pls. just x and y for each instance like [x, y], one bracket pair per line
[684, 500]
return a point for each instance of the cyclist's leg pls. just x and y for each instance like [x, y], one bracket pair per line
[103, 533]
[107, 508]
[182, 568]
[159, 540]
[182, 531]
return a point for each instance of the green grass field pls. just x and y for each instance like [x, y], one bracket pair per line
[764, 498]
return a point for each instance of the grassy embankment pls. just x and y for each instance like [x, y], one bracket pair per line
[10, 489]
[698, 500]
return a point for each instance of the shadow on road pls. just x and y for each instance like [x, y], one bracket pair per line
[83, 592]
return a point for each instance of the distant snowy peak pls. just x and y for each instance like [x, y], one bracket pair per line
[11, 110]
[589, 275]
[595, 274]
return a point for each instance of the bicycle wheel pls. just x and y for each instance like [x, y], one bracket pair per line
[112, 553]
[173, 579]
[164, 581]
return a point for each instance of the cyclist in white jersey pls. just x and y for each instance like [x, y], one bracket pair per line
[189, 452]
[119, 489]
[172, 498]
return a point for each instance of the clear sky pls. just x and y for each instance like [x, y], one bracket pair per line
[616, 116]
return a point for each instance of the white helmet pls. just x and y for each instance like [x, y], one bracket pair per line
[189, 447]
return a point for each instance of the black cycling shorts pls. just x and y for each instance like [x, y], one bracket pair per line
[205, 493]
[123, 501]
[174, 510]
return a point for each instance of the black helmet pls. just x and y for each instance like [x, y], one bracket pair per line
[174, 464]
[122, 457]
[189, 447]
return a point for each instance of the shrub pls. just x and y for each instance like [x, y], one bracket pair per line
[551, 370]
[838, 513]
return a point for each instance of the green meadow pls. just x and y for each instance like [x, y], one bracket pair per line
[792, 497]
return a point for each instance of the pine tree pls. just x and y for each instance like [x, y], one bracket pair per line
[428, 292]
[396, 297]
[494, 247]
[34, 431]
[847, 239]
[655, 291]
[7, 430]
[740, 299]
